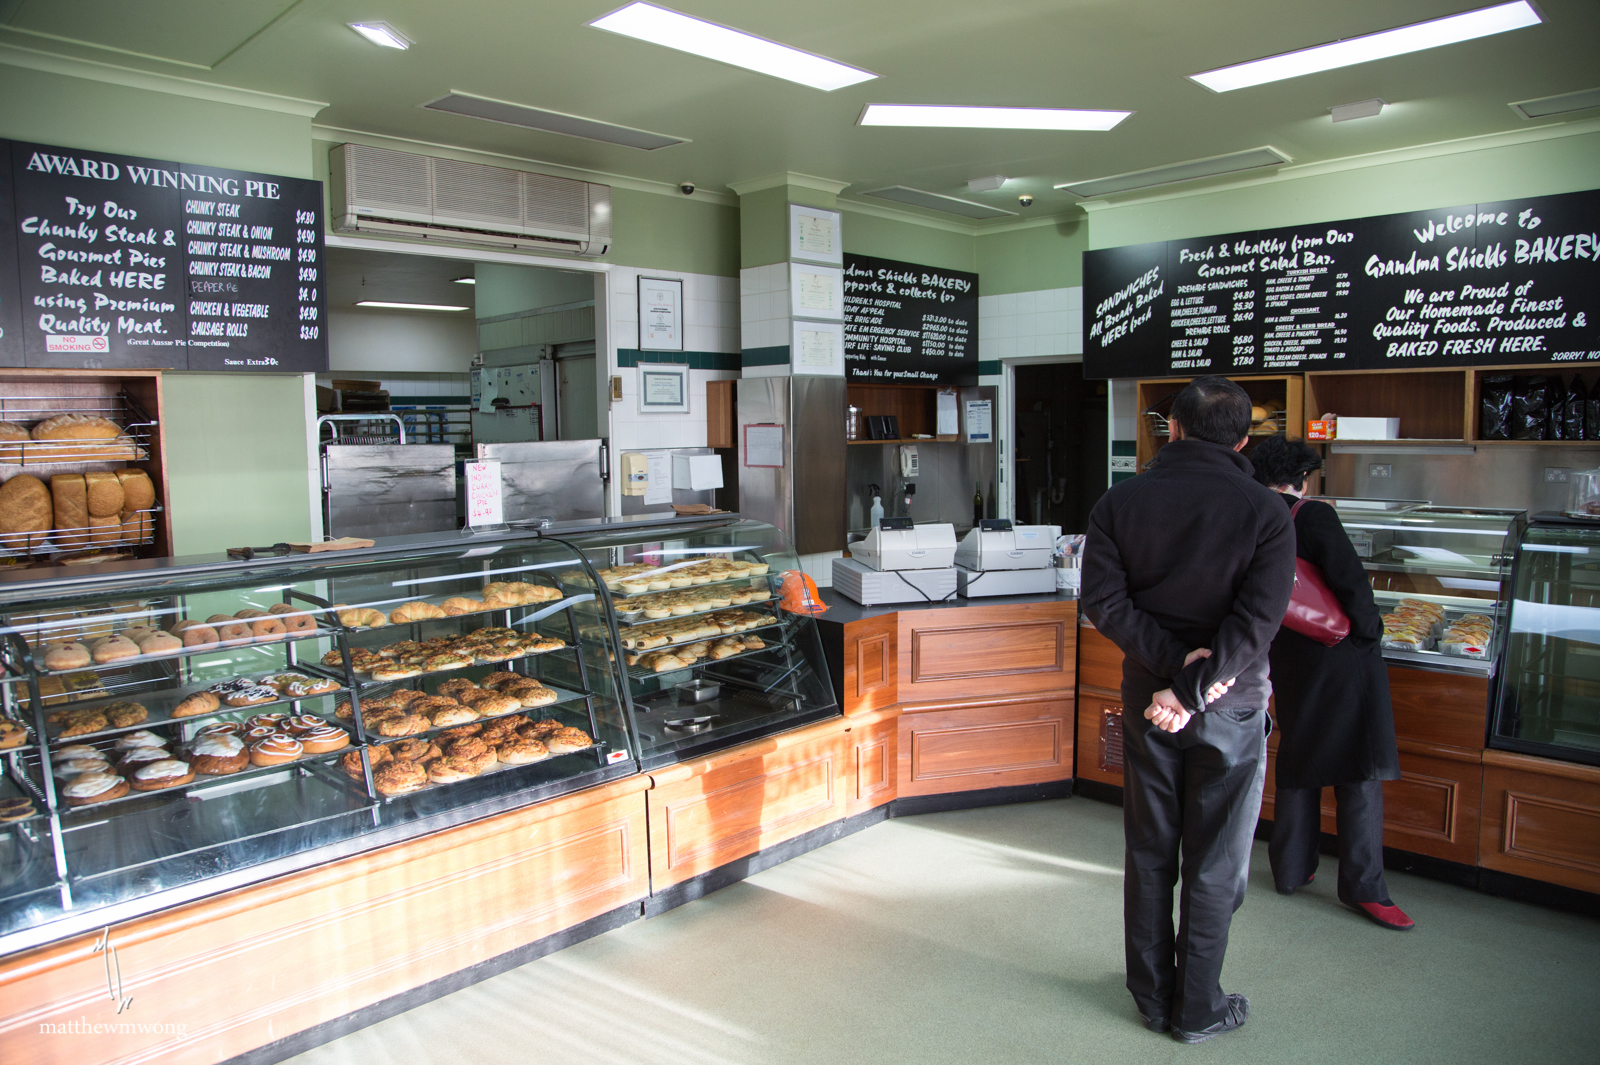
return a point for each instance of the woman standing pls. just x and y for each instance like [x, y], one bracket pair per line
[1333, 709]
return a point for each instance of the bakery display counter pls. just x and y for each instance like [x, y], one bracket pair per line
[177, 728]
[709, 655]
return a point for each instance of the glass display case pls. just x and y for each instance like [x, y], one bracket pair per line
[174, 729]
[1549, 694]
[170, 729]
[1440, 575]
[709, 654]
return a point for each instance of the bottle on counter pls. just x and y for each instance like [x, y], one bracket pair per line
[876, 514]
[977, 504]
[852, 423]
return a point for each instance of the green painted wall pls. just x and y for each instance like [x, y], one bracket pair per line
[1537, 168]
[1022, 260]
[74, 113]
[666, 233]
[506, 289]
[894, 238]
[237, 463]
[764, 221]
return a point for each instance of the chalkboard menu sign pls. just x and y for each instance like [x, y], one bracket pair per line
[10, 305]
[909, 324]
[122, 261]
[1478, 284]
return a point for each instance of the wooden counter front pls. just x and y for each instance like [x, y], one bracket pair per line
[1541, 819]
[244, 969]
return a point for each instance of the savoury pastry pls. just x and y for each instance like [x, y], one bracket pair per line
[198, 703]
[398, 778]
[456, 685]
[566, 740]
[521, 751]
[124, 714]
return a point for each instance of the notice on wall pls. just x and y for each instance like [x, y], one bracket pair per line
[818, 349]
[127, 261]
[980, 421]
[814, 234]
[660, 314]
[1474, 284]
[909, 324]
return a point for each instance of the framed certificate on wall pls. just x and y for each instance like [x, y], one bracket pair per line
[814, 235]
[663, 388]
[816, 292]
[660, 314]
[817, 348]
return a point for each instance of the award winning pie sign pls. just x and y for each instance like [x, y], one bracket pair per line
[1474, 285]
[120, 261]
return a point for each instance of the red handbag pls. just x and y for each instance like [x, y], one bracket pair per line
[1314, 610]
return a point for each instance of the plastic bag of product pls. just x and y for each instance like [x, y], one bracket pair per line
[1574, 417]
[1555, 409]
[1530, 408]
[1494, 407]
[1591, 414]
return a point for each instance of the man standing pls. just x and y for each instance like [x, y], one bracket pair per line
[1188, 569]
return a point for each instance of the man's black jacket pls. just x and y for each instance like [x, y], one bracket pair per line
[1191, 553]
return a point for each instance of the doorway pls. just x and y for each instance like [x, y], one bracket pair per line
[1059, 440]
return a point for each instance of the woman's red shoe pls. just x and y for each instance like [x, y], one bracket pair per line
[1388, 915]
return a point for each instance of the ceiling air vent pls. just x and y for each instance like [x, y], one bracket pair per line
[375, 190]
[1232, 163]
[935, 201]
[462, 103]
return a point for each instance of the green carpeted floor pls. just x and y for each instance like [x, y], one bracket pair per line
[995, 935]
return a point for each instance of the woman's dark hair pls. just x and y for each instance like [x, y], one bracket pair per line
[1213, 408]
[1281, 461]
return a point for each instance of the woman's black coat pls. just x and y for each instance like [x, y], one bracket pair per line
[1333, 702]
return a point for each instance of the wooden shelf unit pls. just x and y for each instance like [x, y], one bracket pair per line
[1289, 390]
[1589, 372]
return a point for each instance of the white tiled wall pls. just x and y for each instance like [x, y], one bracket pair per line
[819, 567]
[1021, 325]
[711, 323]
[764, 306]
[710, 309]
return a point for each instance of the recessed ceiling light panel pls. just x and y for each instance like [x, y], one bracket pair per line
[1417, 37]
[934, 201]
[382, 34]
[959, 117]
[463, 103]
[1546, 106]
[672, 29]
[409, 306]
[1217, 165]
[1359, 109]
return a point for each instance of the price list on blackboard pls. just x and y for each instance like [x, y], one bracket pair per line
[127, 261]
[909, 324]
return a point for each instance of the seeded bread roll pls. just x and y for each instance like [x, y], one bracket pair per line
[25, 507]
[138, 493]
[71, 497]
[105, 495]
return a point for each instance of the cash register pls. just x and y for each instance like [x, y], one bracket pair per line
[1001, 558]
[899, 562]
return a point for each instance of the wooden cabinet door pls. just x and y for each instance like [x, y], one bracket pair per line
[1099, 661]
[874, 762]
[1541, 819]
[993, 745]
[950, 655]
[871, 664]
[1433, 808]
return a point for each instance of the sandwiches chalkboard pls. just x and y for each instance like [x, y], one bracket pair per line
[1477, 284]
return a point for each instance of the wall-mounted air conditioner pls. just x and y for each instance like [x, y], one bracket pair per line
[374, 190]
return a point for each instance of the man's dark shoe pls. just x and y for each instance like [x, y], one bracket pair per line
[1292, 890]
[1238, 1012]
[1156, 1024]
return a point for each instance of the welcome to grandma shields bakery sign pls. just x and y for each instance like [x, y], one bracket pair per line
[111, 261]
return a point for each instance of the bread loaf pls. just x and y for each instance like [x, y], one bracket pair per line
[11, 431]
[68, 427]
[137, 491]
[71, 497]
[105, 532]
[105, 495]
[25, 507]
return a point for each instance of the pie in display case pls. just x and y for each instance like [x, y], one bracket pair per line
[176, 728]
[1549, 695]
[1440, 575]
[710, 655]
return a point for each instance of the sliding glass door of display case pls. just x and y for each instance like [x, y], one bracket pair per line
[1549, 699]
[186, 729]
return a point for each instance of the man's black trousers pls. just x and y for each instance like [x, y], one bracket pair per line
[1190, 805]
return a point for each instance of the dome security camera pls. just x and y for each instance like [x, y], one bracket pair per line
[687, 188]
[1025, 200]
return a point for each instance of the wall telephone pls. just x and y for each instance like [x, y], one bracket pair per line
[908, 460]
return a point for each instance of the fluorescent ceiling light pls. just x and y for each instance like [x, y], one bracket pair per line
[381, 33]
[463, 103]
[1359, 109]
[934, 201]
[657, 25]
[1451, 29]
[408, 306]
[1216, 165]
[988, 117]
[1545, 106]
[465, 280]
